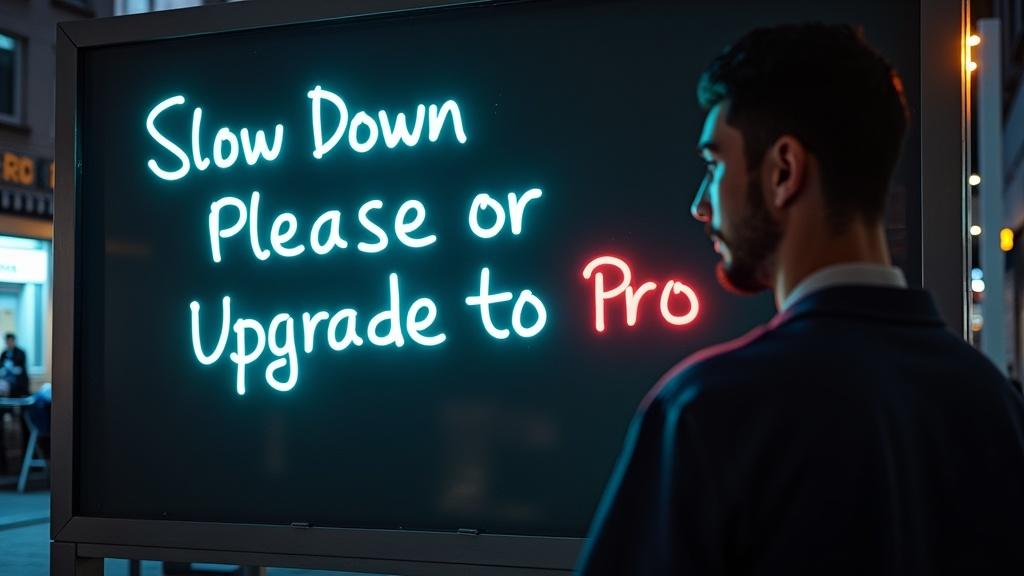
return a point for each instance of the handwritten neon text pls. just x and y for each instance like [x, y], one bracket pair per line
[632, 297]
[484, 299]
[226, 145]
[483, 202]
[229, 215]
[364, 130]
[389, 327]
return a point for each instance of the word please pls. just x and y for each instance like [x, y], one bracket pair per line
[598, 267]
[325, 233]
[340, 330]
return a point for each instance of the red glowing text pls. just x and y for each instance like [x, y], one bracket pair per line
[598, 268]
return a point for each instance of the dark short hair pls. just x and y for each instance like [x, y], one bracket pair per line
[10, 336]
[825, 86]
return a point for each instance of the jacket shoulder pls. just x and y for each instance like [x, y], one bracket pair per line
[723, 365]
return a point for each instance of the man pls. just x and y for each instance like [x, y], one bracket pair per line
[13, 369]
[853, 434]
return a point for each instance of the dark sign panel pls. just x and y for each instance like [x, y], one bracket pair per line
[410, 272]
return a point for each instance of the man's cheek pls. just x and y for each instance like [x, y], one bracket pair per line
[716, 212]
[719, 208]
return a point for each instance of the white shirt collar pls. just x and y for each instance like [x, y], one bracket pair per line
[850, 274]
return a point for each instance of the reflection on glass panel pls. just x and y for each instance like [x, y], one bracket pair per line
[8, 74]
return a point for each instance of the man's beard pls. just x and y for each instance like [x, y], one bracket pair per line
[751, 246]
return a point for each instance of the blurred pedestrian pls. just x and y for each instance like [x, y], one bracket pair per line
[14, 368]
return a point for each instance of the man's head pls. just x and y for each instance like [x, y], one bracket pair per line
[795, 114]
[10, 340]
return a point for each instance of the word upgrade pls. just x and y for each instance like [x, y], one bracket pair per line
[386, 328]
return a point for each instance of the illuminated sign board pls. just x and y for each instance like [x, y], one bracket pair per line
[414, 289]
[26, 171]
[447, 242]
[20, 266]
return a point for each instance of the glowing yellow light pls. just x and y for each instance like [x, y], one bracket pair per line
[972, 66]
[975, 230]
[974, 40]
[977, 322]
[1006, 239]
[974, 180]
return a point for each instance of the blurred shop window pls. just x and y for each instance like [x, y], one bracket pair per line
[122, 7]
[11, 49]
[25, 295]
[85, 6]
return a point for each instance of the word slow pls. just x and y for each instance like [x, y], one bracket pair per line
[225, 146]
[339, 330]
[598, 267]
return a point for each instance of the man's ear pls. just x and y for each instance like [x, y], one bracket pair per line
[787, 170]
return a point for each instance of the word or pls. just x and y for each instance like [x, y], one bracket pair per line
[485, 299]
[633, 296]
[363, 130]
[516, 207]
[253, 148]
[324, 234]
[279, 337]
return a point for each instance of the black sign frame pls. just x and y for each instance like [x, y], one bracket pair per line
[938, 241]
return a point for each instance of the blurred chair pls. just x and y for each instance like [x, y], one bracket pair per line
[35, 411]
[37, 429]
[19, 404]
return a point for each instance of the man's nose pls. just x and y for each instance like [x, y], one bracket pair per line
[701, 209]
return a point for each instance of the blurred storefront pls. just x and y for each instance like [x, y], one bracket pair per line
[27, 72]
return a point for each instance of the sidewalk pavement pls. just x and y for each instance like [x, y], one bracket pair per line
[25, 533]
[17, 510]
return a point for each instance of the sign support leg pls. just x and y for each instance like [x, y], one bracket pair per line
[65, 561]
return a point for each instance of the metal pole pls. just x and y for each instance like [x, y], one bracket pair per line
[942, 124]
[990, 192]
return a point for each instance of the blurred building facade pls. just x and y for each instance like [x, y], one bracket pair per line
[1006, 144]
[139, 6]
[27, 76]
[1011, 16]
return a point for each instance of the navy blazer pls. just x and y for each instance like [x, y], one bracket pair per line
[854, 434]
